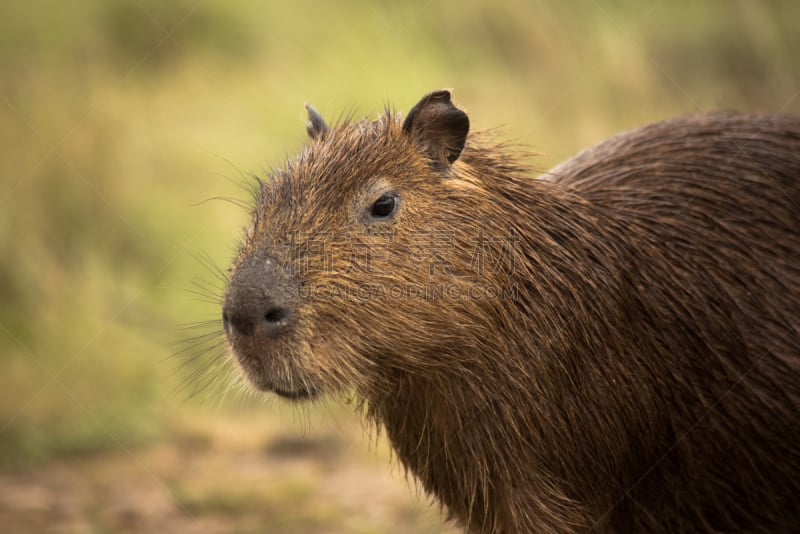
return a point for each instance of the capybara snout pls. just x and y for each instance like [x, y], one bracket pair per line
[258, 301]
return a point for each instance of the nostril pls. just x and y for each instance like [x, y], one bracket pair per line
[239, 323]
[276, 316]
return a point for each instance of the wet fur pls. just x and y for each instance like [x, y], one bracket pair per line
[640, 374]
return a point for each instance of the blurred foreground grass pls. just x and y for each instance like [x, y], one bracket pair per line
[121, 118]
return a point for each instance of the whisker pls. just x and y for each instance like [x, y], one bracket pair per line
[239, 203]
[207, 262]
[205, 297]
[199, 325]
[191, 358]
[201, 379]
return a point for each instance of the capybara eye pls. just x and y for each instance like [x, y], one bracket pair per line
[384, 206]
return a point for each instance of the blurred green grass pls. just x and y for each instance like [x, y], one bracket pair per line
[122, 117]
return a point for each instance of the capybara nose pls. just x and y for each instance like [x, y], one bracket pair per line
[257, 302]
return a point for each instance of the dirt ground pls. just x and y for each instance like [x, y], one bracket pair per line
[223, 474]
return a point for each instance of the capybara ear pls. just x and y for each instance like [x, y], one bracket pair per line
[439, 126]
[316, 125]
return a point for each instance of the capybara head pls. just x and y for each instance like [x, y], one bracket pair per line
[352, 249]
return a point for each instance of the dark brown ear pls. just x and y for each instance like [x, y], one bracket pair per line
[315, 125]
[439, 126]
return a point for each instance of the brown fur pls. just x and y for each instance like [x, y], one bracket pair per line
[624, 360]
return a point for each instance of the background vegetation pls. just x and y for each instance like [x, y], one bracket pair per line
[121, 118]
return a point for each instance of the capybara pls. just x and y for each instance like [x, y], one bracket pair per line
[612, 346]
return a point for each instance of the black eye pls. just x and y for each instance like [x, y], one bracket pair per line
[383, 207]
